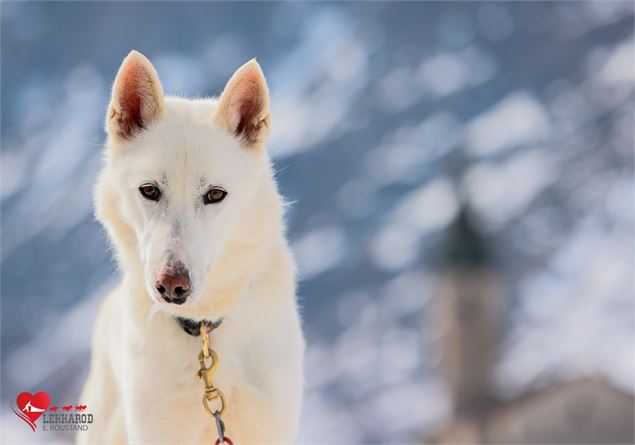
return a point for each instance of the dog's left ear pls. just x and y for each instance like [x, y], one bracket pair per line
[137, 97]
[243, 107]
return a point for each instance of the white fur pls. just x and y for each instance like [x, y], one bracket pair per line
[143, 385]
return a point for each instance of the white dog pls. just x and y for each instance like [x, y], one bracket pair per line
[189, 200]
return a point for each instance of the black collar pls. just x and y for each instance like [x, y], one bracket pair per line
[193, 327]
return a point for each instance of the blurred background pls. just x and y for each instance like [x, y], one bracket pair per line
[462, 185]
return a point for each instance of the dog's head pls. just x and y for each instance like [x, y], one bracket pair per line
[185, 173]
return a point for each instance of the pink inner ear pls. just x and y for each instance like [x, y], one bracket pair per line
[250, 104]
[130, 119]
[248, 123]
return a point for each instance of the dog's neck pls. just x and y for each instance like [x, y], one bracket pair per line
[193, 327]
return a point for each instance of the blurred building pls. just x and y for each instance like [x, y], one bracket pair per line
[470, 313]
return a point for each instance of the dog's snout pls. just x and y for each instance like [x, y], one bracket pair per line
[173, 284]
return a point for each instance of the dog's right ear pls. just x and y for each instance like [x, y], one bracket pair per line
[243, 107]
[137, 97]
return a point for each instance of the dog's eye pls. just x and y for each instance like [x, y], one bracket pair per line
[151, 192]
[214, 196]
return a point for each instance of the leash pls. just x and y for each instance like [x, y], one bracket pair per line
[211, 394]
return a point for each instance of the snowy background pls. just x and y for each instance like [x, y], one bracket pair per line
[374, 106]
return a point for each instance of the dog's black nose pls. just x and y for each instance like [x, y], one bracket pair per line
[174, 285]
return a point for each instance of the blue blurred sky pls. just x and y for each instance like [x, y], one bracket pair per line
[527, 105]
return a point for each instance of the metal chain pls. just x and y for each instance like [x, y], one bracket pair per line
[211, 394]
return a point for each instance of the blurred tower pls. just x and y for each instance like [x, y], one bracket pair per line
[469, 315]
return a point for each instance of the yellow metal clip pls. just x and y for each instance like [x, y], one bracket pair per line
[207, 374]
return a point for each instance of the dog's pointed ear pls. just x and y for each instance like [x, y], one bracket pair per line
[137, 97]
[243, 107]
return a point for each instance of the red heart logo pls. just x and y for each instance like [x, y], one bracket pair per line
[31, 407]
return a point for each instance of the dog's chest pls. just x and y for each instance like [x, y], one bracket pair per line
[180, 364]
[167, 372]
